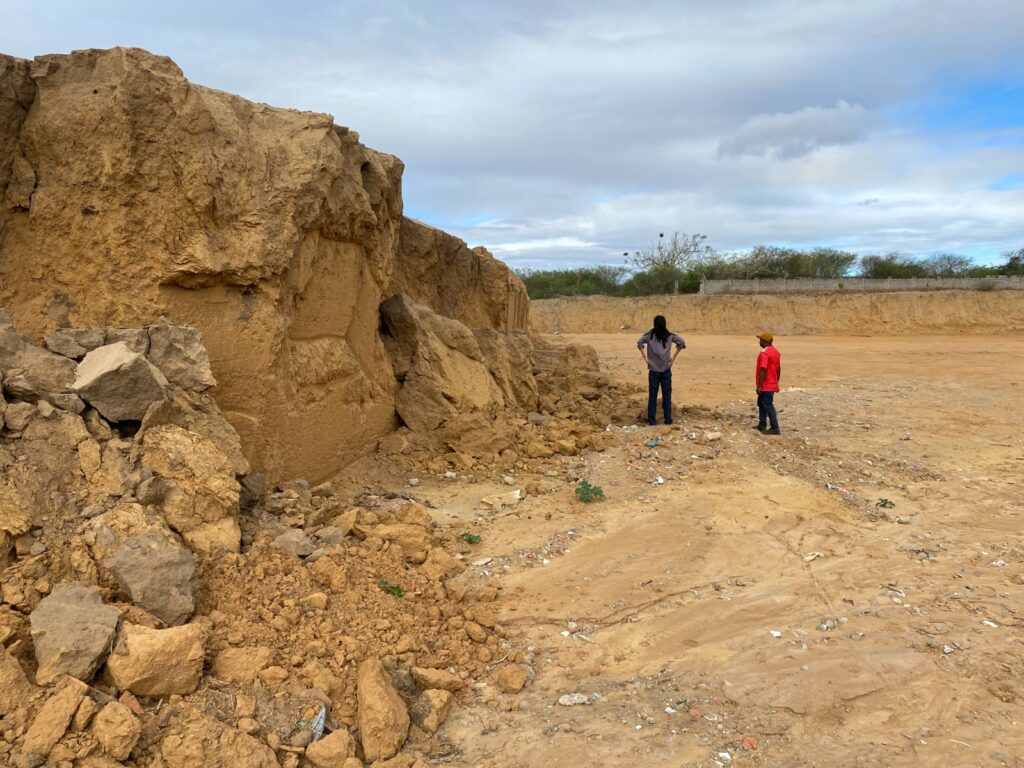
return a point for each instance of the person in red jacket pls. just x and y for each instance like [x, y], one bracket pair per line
[769, 371]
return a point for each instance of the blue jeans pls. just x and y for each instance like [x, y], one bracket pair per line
[766, 410]
[657, 379]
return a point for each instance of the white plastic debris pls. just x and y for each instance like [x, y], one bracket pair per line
[989, 623]
[775, 633]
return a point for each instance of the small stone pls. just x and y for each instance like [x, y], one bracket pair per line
[248, 725]
[117, 730]
[18, 416]
[475, 632]
[242, 665]
[431, 708]
[427, 678]
[333, 750]
[295, 542]
[511, 678]
[317, 601]
[51, 723]
[84, 714]
[273, 675]
[15, 688]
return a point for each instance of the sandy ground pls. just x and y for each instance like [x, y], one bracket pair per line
[758, 606]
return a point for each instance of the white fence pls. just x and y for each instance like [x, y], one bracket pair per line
[858, 284]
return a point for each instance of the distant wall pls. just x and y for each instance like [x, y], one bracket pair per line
[817, 284]
[868, 314]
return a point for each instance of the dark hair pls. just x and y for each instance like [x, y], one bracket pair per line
[660, 329]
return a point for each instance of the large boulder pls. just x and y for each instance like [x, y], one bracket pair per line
[158, 575]
[158, 662]
[37, 373]
[119, 383]
[446, 389]
[72, 632]
[178, 351]
[383, 718]
[201, 502]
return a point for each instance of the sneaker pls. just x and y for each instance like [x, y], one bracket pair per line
[759, 427]
[773, 431]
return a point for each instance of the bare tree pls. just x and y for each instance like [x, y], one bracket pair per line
[676, 254]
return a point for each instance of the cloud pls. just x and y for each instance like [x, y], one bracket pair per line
[568, 131]
[789, 135]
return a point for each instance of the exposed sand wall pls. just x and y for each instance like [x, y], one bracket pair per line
[127, 193]
[869, 314]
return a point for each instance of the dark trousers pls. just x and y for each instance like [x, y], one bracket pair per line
[657, 379]
[766, 409]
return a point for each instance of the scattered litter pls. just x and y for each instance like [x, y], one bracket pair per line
[414, 481]
[998, 563]
[947, 649]
[317, 727]
[653, 443]
[669, 711]
[830, 624]
[659, 480]
[449, 475]
[482, 561]
[725, 757]
[775, 633]
[573, 699]
[503, 500]
[989, 623]
[813, 556]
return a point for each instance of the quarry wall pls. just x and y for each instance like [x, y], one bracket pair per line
[129, 193]
[867, 314]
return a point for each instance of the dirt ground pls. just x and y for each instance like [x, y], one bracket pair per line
[760, 604]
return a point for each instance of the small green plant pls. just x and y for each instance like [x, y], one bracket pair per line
[587, 493]
[394, 589]
[470, 538]
[885, 504]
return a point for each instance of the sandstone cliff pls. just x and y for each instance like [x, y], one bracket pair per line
[129, 193]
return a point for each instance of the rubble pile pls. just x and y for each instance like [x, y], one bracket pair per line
[161, 607]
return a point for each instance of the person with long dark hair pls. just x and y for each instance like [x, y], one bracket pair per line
[656, 348]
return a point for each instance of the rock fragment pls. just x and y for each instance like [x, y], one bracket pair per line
[119, 383]
[158, 575]
[332, 751]
[295, 542]
[511, 678]
[241, 665]
[431, 708]
[74, 342]
[72, 631]
[15, 689]
[117, 730]
[383, 719]
[158, 662]
[441, 679]
[201, 502]
[50, 725]
[178, 351]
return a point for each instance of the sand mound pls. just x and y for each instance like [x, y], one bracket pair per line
[868, 314]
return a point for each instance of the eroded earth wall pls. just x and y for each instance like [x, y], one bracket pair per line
[130, 193]
[854, 314]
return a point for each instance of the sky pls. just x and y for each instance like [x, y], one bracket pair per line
[564, 133]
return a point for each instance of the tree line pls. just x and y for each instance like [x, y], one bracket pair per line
[678, 263]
